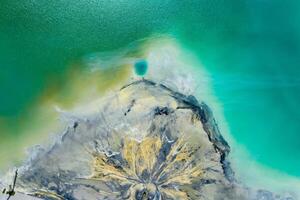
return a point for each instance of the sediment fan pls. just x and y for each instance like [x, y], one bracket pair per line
[147, 142]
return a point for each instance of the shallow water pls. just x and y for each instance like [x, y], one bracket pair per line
[250, 49]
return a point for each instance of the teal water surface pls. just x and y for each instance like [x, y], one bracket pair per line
[140, 67]
[250, 48]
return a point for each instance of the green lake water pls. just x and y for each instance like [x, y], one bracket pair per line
[251, 49]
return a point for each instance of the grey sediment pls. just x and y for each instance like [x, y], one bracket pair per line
[205, 115]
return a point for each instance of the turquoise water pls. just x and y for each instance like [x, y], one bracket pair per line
[140, 67]
[256, 78]
[250, 48]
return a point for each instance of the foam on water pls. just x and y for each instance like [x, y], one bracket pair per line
[172, 64]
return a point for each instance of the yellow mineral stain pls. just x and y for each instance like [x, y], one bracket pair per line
[41, 119]
[141, 156]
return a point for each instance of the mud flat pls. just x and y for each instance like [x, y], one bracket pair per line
[147, 141]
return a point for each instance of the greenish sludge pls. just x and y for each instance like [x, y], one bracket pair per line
[140, 67]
